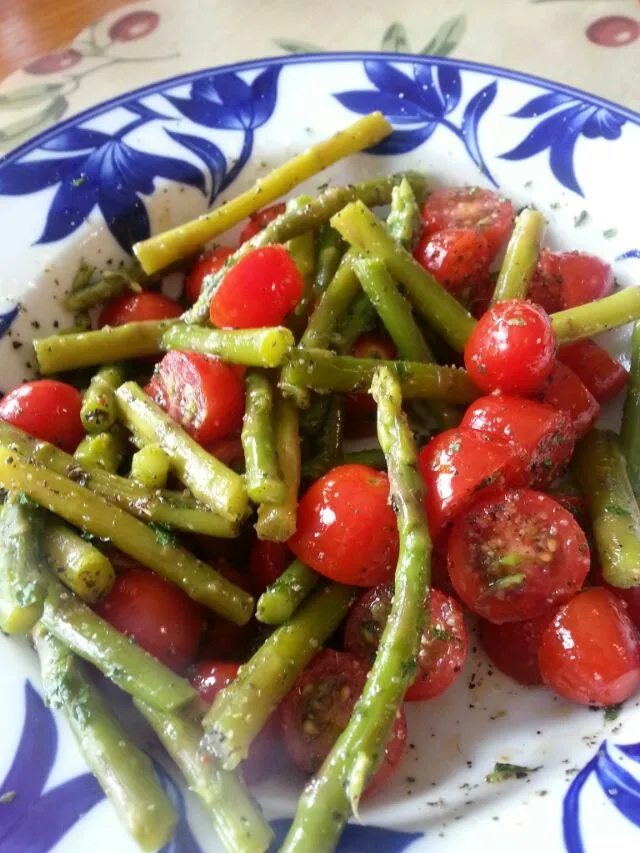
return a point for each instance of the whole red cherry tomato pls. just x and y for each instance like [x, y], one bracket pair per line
[513, 647]
[137, 307]
[360, 409]
[598, 371]
[457, 258]
[567, 279]
[260, 220]
[46, 409]
[208, 264]
[565, 392]
[267, 561]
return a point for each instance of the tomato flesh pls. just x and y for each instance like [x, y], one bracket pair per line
[46, 409]
[267, 561]
[161, 618]
[260, 220]
[565, 392]
[260, 290]
[348, 505]
[511, 349]
[514, 555]
[567, 279]
[590, 652]
[456, 257]
[513, 647]
[138, 307]
[208, 264]
[598, 371]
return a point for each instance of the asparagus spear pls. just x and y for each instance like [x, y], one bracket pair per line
[80, 566]
[120, 659]
[404, 221]
[112, 284]
[336, 789]
[361, 318]
[303, 251]
[521, 256]
[584, 321]
[82, 276]
[208, 479]
[263, 477]
[314, 469]
[330, 440]
[630, 429]
[124, 772]
[98, 412]
[331, 248]
[233, 813]
[602, 474]
[281, 599]
[241, 710]
[22, 586]
[83, 509]
[104, 450]
[266, 347]
[150, 466]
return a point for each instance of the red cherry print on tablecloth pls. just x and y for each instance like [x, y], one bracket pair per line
[52, 62]
[135, 25]
[613, 31]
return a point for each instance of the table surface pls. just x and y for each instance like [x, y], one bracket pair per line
[64, 56]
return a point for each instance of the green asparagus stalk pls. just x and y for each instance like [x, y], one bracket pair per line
[150, 466]
[303, 251]
[124, 772]
[78, 564]
[241, 710]
[81, 508]
[630, 429]
[281, 599]
[232, 811]
[584, 321]
[83, 275]
[263, 478]
[104, 450]
[314, 469]
[331, 248]
[112, 284]
[119, 658]
[404, 221]
[365, 232]
[601, 470]
[266, 347]
[208, 479]
[361, 318]
[22, 585]
[329, 442]
[521, 256]
[336, 789]
[98, 412]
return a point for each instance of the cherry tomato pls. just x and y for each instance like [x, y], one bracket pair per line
[260, 220]
[565, 392]
[209, 678]
[319, 706]
[267, 561]
[204, 395]
[360, 409]
[511, 349]
[514, 555]
[470, 207]
[443, 646]
[566, 279]
[137, 307]
[456, 257]
[541, 435]
[631, 596]
[458, 464]
[260, 290]
[590, 652]
[159, 616]
[46, 409]
[208, 264]
[228, 450]
[513, 647]
[599, 372]
[348, 507]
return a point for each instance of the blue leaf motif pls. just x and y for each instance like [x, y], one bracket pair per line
[388, 79]
[430, 95]
[230, 89]
[264, 91]
[561, 154]
[620, 787]
[537, 140]
[632, 253]
[571, 810]
[631, 750]
[207, 112]
[124, 213]
[7, 319]
[449, 82]
[34, 175]
[395, 109]
[475, 109]
[356, 838]
[602, 123]
[402, 141]
[542, 104]
[210, 154]
[75, 139]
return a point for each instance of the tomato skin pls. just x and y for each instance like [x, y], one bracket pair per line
[541, 435]
[228, 450]
[138, 307]
[349, 504]
[210, 677]
[162, 618]
[204, 395]
[208, 264]
[598, 371]
[261, 219]
[260, 290]
[511, 349]
[513, 647]
[630, 596]
[46, 409]
[514, 555]
[267, 561]
[458, 464]
[319, 706]
[470, 207]
[590, 652]
[456, 257]
[565, 392]
[567, 279]
[360, 409]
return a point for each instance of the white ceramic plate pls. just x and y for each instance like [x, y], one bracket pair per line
[158, 156]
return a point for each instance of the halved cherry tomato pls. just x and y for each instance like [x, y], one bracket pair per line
[513, 647]
[565, 392]
[260, 290]
[209, 678]
[456, 257]
[443, 646]
[346, 529]
[470, 207]
[598, 371]
[457, 465]
[590, 651]
[360, 409]
[137, 307]
[514, 555]
[542, 435]
[46, 409]
[511, 349]
[204, 395]
[209, 263]
[261, 219]
[159, 616]
[319, 706]
[566, 279]
[267, 561]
